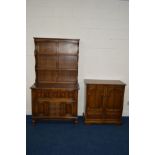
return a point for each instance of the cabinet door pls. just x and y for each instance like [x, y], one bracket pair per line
[113, 103]
[94, 103]
[50, 108]
[41, 108]
[101, 93]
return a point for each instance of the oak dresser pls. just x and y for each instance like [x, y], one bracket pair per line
[55, 91]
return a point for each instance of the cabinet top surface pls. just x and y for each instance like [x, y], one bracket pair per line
[50, 39]
[99, 81]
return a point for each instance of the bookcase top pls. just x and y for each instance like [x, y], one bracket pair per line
[51, 39]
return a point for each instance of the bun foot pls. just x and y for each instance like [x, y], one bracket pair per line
[76, 121]
[33, 123]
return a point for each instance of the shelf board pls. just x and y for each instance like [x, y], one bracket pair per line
[57, 100]
[56, 54]
[60, 69]
[61, 82]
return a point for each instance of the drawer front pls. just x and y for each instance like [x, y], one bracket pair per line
[55, 93]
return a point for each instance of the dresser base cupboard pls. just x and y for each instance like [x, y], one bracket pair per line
[54, 104]
[104, 101]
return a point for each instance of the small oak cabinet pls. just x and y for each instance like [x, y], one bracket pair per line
[104, 101]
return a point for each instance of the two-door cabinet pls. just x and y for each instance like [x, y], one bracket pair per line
[55, 91]
[104, 101]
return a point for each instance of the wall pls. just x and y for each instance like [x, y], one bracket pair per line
[101, 26]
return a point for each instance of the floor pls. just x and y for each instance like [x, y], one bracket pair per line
[66, 138]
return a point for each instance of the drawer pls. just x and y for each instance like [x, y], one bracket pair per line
[54, 93]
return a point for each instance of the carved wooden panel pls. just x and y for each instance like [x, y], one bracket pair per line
[114, 98]
[56, 109]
